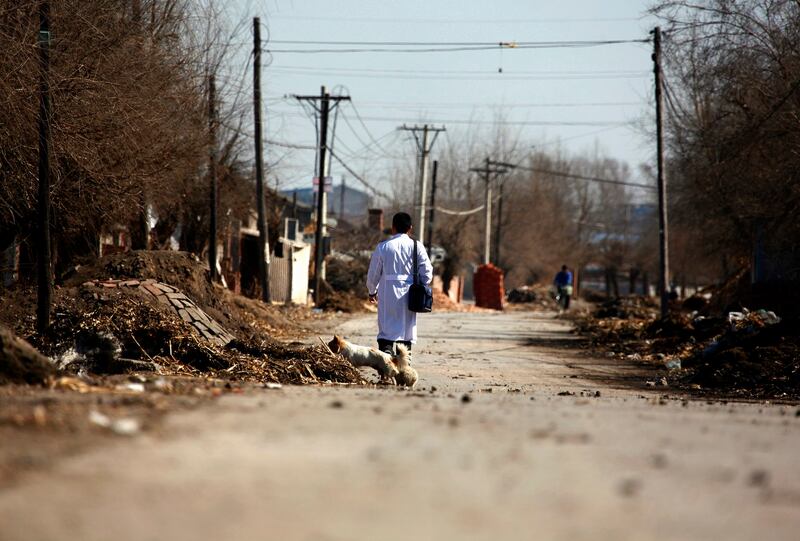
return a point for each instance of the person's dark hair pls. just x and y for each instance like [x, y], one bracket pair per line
[401, 222]
[563, 267]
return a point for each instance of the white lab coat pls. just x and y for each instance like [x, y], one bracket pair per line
[390, 275]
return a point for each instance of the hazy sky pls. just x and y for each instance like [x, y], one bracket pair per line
[584, 97]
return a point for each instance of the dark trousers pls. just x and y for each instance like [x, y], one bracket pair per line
[387, 346]
[564, 298]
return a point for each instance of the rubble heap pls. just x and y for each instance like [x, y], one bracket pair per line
[749, 354]
[135, 316]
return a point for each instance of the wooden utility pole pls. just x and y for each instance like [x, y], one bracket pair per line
[663, 231]
[424, 145]
[212, 174]
[488, 169]
[498, 226]
[324, 110]
[431, 212]
[44, 270]
[341, 198]
[263, 231]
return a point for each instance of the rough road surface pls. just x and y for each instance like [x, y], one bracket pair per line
[513, 460]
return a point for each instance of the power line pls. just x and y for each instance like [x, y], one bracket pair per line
[366, 129]
[503, 122]
[460, 72]
[463, 48]
[456, 21]
[464, 76]
[493, 122]
[509, 44]
[289, 145]
[473, 105]
[576, 177]
[359, 177]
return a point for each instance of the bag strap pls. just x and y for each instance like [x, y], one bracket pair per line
[416, 278]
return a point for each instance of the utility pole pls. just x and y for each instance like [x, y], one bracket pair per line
[425, 145]
[432, 210]
[499, 223]
[212, 173]
[263, 240]
[489, 168]
[341, 198]
[44, 274]
[663, 231]
[324, 110]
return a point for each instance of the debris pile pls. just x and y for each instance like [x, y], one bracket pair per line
[632, 307]
[138, 323]
[537, 296]
[20, 362]
[756, 353]
[523, 294]
[348, 273]
[753, 354]
[341, 301]
[345, 285]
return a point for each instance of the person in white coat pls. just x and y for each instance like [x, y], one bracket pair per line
[388, 280]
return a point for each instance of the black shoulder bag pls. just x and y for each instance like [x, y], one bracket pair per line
[420, 296]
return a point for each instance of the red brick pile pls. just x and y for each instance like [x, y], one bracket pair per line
[488, 287]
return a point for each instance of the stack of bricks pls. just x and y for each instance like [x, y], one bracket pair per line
[488, 287]
[179, 303]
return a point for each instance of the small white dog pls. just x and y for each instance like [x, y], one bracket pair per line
[405, 374]
[365, 356]
[390, 368]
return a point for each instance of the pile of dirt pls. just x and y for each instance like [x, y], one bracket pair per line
[20, 362]
[630, 307]
[187, 273]
[110, 326]
[180, 269]
[744, 354]
[347, 273]
[341, 301]
[536, 297]
[755, 355]
[523, 294]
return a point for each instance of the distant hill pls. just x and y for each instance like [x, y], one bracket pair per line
[356, 202]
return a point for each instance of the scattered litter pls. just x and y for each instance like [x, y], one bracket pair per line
[39, 415]
[99, 419]
[66, 383]
[132, 387]
[123, 427]
[271, 385]
[673, 364]
[466, 398]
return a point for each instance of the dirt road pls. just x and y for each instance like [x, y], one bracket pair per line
[493, 452]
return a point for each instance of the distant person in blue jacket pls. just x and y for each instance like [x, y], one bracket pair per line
[563, 283]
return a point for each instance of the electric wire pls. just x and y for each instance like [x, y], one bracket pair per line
[359, 178]
[580, 177]
[464, 48]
